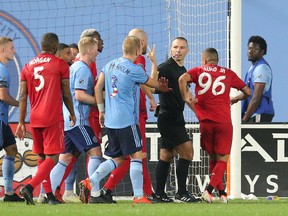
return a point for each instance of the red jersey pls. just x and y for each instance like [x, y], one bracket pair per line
[143, 109]
[43, 75]
[212, 89]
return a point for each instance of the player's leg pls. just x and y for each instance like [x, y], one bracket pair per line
[69, 195]
[147, 185]
[116, 176]
[48, 143]
[94, 179]
[8, 143]
[221, 139]
[161, 174]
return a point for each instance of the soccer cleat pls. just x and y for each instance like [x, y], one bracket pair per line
[107, 195]
[13, 198]
[58, 195]
[28, 195]
[207, 197]
[100, 199]
[142, 200]
[41, 198]
[186, 198]
[162, 199]
[223, 199]
[70, 197]
[85, 190]
[54, 202]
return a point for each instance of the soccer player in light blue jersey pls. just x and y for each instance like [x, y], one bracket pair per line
[122, 79]
[80, 137]
[7, 140]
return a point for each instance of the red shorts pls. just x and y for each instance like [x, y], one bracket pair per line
[48, 140]
[94, 124]
[216, 138]
[142, 126]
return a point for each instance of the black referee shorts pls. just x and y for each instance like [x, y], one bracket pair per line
[171, 125]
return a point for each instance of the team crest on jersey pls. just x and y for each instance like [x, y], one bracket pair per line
[81, 82]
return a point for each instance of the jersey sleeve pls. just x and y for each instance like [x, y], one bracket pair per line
[81, 79]
[193, 74]
[23, 74]
[64, 69]
[261, 73]
[3, 78]
[139, 75]
[236, 81]
[141, 62]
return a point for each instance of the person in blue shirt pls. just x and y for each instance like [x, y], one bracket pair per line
[80, 137]
[258, 107]
[122, 79]
[7, 140]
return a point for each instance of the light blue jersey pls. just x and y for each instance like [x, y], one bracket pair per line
[4, 83]
[122, 92]
[80, 79]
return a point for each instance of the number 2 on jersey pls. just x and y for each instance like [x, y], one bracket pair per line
[40, 77]
[217, 83]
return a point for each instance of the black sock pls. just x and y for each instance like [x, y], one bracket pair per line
[222, 192]
[162, 171]
[182, 173]
[50, 196]
[210, 188]
[29, 187]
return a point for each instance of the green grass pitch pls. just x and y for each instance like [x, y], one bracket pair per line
[126, 208]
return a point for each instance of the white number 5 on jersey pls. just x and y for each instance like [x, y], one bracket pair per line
[40, 77]
[217, 82]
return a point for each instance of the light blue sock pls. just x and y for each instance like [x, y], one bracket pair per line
[103, 170]
[136, 176]
[93, 164]
[8, 173]
[57, 174]
[69, 182]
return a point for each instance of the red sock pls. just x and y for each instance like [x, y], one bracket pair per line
[218, 173]
[42, 173]
[147, 185]
[47, 185]
[118, 174]
[68, 170]
[212, 165]
[39, 161]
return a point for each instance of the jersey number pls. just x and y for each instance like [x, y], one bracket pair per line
[40, 77]
[217, 83]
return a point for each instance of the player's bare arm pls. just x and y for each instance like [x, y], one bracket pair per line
[7, 98]
[21, 129]
[98, 92]
[246, 92]
[255, 101]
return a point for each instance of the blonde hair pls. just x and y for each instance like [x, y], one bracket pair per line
[85, 43]
[5, 40]
[130, 45]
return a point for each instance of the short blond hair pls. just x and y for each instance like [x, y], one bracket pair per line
[85, 43]
[130, 45]
[5, 40]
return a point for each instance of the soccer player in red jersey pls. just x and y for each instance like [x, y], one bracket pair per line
[212, 107]
[118, 174]
[45, 79]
